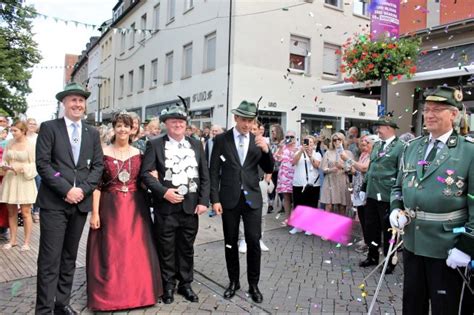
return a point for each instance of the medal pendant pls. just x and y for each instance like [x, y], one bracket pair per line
[124, 189]
[192, 187]
[458, 193]
[459, 184]
[124, 176]
[447, 192]
[182, 190]
[168, 174]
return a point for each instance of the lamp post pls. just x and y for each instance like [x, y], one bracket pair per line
[99, 85]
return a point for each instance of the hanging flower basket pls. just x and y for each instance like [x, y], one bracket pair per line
[389, 59]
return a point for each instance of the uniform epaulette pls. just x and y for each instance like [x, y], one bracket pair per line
[469, 139]
[412, 140]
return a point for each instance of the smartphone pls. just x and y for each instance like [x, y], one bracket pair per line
[306, 141]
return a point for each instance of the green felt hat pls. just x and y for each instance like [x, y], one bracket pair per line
[387, 120]
[72, 88]
[246, 110]
[174, 111]
[445, 95]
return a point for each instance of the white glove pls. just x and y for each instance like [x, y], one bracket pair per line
[457, 258]
[398, 219]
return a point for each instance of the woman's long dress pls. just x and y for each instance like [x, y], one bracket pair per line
[122, 264]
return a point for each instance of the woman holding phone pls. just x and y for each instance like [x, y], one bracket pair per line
[306, 181]
[18, 186]
[335, 192]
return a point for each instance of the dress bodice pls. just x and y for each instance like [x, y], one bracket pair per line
[14, 156]
[113, 167]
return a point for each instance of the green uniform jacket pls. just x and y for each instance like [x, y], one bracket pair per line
[383, 169]
[447, 186]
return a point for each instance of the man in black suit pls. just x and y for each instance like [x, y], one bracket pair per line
[180, 194]
[235, 193]
[70, 162]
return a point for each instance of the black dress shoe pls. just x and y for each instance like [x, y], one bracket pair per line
[230, 291]
[188, 294]
[168, 296]
[255, 294]
[390, 268]
[369, 262]
[66, 310]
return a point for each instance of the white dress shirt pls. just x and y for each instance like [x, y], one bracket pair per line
[237, 141]
[70, 128]
[442, 141]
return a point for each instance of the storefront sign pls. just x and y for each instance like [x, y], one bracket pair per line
[202, 96]
[385, 18]
[272, 104]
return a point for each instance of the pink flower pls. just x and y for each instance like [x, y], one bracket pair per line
[450, 172]
[441, 179]
[422, 162]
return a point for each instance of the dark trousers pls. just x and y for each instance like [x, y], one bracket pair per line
[175, 236]
[61, 232]
[377, 223]
[361, 215]
[429, 279]
[309, 197]
[252, 219]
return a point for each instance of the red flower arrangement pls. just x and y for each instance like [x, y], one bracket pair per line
[365, 60]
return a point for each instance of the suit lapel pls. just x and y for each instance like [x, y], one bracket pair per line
[65, 136]
[84, 141]
[231, 144]
[420, 157]
[161, 149]
[251, 149]
[441, 157]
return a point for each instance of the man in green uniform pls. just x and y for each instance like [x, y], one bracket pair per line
[433, 201]
[380, 177]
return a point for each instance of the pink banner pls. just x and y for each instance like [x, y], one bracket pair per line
[329, 225]
[384, 18]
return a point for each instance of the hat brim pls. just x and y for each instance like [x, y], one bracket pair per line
[243, 113]
[390, 124]
[165, 117]
[61, 95]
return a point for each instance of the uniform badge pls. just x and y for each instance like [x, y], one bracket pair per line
[447, 192]
[182, 190]
[457, 94]
[458, 193]
[460, 183]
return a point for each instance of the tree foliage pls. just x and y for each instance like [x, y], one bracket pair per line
[18, 54]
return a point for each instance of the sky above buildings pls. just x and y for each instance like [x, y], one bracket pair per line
[55, 39]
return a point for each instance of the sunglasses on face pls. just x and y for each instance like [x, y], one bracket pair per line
[336, 139]
[289, 137]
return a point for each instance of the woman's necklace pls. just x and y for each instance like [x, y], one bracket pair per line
[123, 173]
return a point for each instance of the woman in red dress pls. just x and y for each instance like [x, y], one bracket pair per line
[122, 264]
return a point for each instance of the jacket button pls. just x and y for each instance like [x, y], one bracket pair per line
[417, 227]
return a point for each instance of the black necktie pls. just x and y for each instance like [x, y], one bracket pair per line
[431, 156]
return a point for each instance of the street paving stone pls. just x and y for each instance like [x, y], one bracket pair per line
[299, 275]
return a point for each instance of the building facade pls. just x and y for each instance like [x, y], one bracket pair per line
[217, 53]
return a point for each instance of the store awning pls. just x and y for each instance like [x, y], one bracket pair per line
[359, 87]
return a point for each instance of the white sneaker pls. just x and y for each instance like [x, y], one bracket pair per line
[294, 230]
[242, 246]
[263, 247]
[308, 233]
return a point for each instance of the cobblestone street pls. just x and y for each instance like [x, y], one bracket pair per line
[300, 274]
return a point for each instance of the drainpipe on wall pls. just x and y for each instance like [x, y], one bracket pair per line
[228, 67]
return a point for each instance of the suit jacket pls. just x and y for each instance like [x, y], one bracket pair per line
[383, 169]
[55, 165]
[228, 176]
[433, 193]
[154, 159]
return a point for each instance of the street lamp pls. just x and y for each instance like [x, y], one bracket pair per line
[98, 121]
